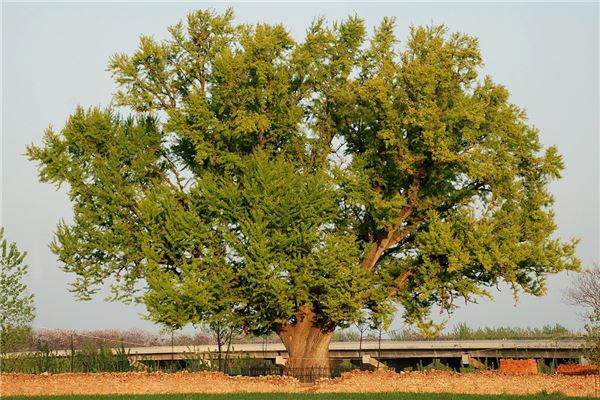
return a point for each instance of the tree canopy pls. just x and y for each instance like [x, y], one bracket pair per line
[264, 178]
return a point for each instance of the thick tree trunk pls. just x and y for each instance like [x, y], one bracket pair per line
[307, 345]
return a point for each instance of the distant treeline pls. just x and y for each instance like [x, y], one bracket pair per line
[61, 339]
[64, 339]
[462, 331]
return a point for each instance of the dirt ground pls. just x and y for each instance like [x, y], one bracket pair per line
[487, 382]
[576, 369]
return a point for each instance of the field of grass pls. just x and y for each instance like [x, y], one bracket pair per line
[286, 396]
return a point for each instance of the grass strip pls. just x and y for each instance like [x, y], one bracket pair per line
[299, 396]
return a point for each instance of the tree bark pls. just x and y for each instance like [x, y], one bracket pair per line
[219, 348]
[307, 345]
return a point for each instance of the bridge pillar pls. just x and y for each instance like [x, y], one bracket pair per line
[466, 359]
[373, 363]
[583, 360]
[280, 360]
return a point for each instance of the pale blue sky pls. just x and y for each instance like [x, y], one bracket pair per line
[54, 57]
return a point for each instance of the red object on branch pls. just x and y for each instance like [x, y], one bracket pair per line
[245, 328]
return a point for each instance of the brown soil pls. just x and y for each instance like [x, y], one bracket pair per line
[141, 383]
[576, 369]
[487, 382]
[510, 366]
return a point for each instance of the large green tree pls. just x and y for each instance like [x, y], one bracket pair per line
[296, 185]
[17, 309]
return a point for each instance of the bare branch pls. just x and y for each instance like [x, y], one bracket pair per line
[585, 290]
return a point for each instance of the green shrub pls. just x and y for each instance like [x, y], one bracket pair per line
[546, 368]
[435, 365]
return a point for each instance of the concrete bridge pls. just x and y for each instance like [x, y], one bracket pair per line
[396, 353]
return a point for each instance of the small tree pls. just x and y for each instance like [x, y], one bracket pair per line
[224, 332]
[17, 309]
[362, 324]
[585, 292]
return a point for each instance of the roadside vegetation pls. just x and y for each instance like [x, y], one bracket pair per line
[462, 331]
[107, 350]
[90, 358]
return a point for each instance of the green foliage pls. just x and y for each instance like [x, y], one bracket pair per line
[259, 174]
[466, 369]
[344, 366]
[463, 331]
[345, 336]
[592, 337]
[90, 358]
[405, 334]
[15, 338]
[98, 359]
[544, 368]
[17, 309]
[435, 365]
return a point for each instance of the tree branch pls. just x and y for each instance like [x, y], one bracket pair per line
[384, 239]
